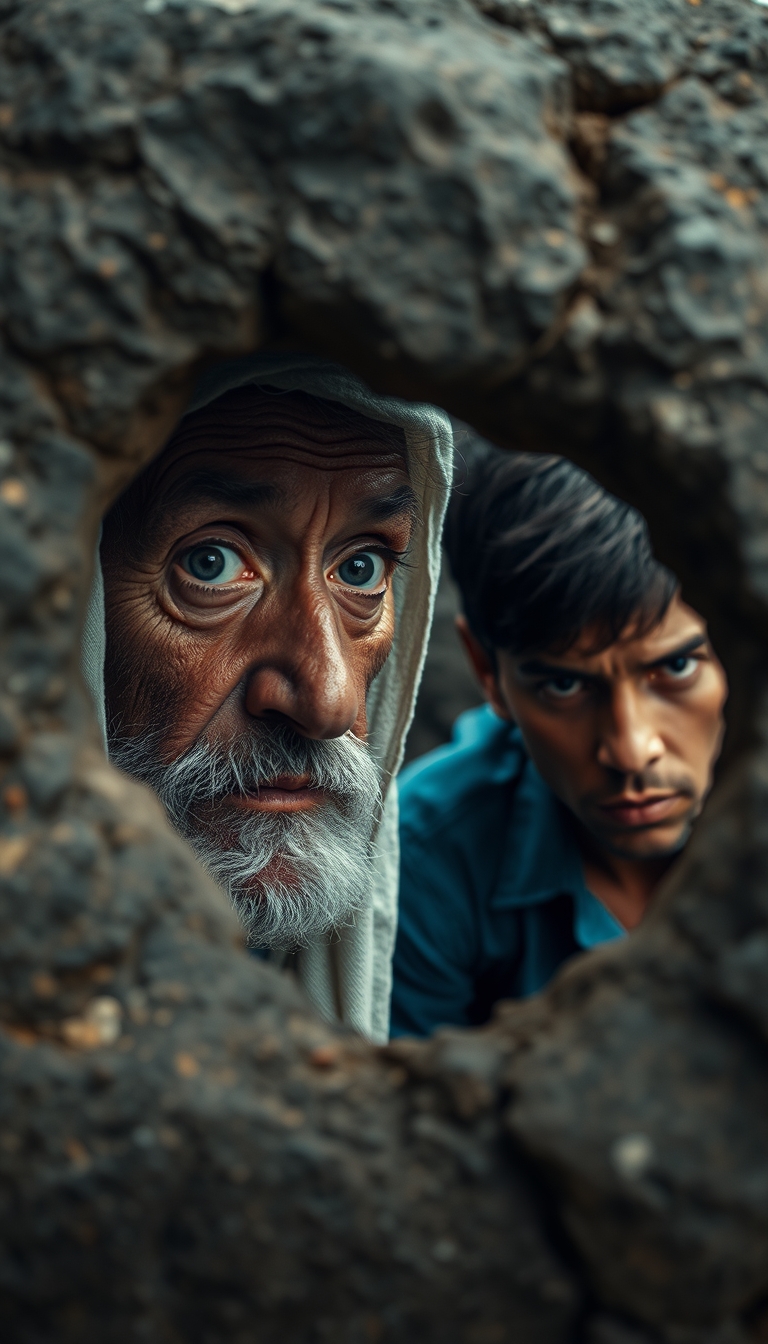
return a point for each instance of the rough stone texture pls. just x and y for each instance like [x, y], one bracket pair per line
[550, 218]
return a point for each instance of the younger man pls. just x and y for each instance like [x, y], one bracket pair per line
[547, 824]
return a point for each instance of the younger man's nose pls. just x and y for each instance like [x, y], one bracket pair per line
[629, 740]
[305, 675]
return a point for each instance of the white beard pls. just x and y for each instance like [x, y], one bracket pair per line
[292, 877]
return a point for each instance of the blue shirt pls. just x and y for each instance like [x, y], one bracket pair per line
[492, 891]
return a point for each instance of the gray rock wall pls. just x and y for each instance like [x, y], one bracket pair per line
[549, 217]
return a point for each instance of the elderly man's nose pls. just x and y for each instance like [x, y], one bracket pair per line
[629, 740]
[306, 678]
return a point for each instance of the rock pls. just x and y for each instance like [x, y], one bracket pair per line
[550, 218]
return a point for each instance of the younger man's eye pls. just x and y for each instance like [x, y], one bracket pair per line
[563, 687]
[364, 570]
[681, 666]
[212, 564]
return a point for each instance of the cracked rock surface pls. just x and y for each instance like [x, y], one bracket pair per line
[550, 218]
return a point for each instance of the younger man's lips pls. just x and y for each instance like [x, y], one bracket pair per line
[284, 794]
[644, 810]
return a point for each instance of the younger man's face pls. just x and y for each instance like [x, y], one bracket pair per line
[627, 738]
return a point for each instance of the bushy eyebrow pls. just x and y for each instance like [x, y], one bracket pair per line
[224, 489]
[238, 492]
[379, 508]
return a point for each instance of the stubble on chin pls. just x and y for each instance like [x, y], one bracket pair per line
[649, 845]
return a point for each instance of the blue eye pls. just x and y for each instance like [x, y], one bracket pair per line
[364, 569]
[564, 687]
[212, 563]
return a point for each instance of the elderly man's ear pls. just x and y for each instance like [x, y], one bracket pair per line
[484, 669]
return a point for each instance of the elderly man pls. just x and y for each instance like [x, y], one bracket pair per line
[267, 593]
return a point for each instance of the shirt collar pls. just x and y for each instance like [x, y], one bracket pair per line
[541, 860]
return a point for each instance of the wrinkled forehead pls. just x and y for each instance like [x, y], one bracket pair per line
[265, 421]
[257, 443]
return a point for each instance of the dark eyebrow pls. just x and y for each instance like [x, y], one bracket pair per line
[688, 647]
[381, 507]
[536, 667]
[217, 486]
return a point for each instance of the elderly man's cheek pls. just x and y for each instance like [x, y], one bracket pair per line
[374, 649]
[149, 676]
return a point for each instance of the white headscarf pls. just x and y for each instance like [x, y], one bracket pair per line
[350, 978]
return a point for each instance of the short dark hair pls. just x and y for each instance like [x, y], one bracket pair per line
[540, 551]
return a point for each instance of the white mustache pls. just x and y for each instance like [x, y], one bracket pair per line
[322, 877]
[341, 767]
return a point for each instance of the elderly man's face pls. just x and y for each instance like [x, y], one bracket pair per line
[249, 607]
